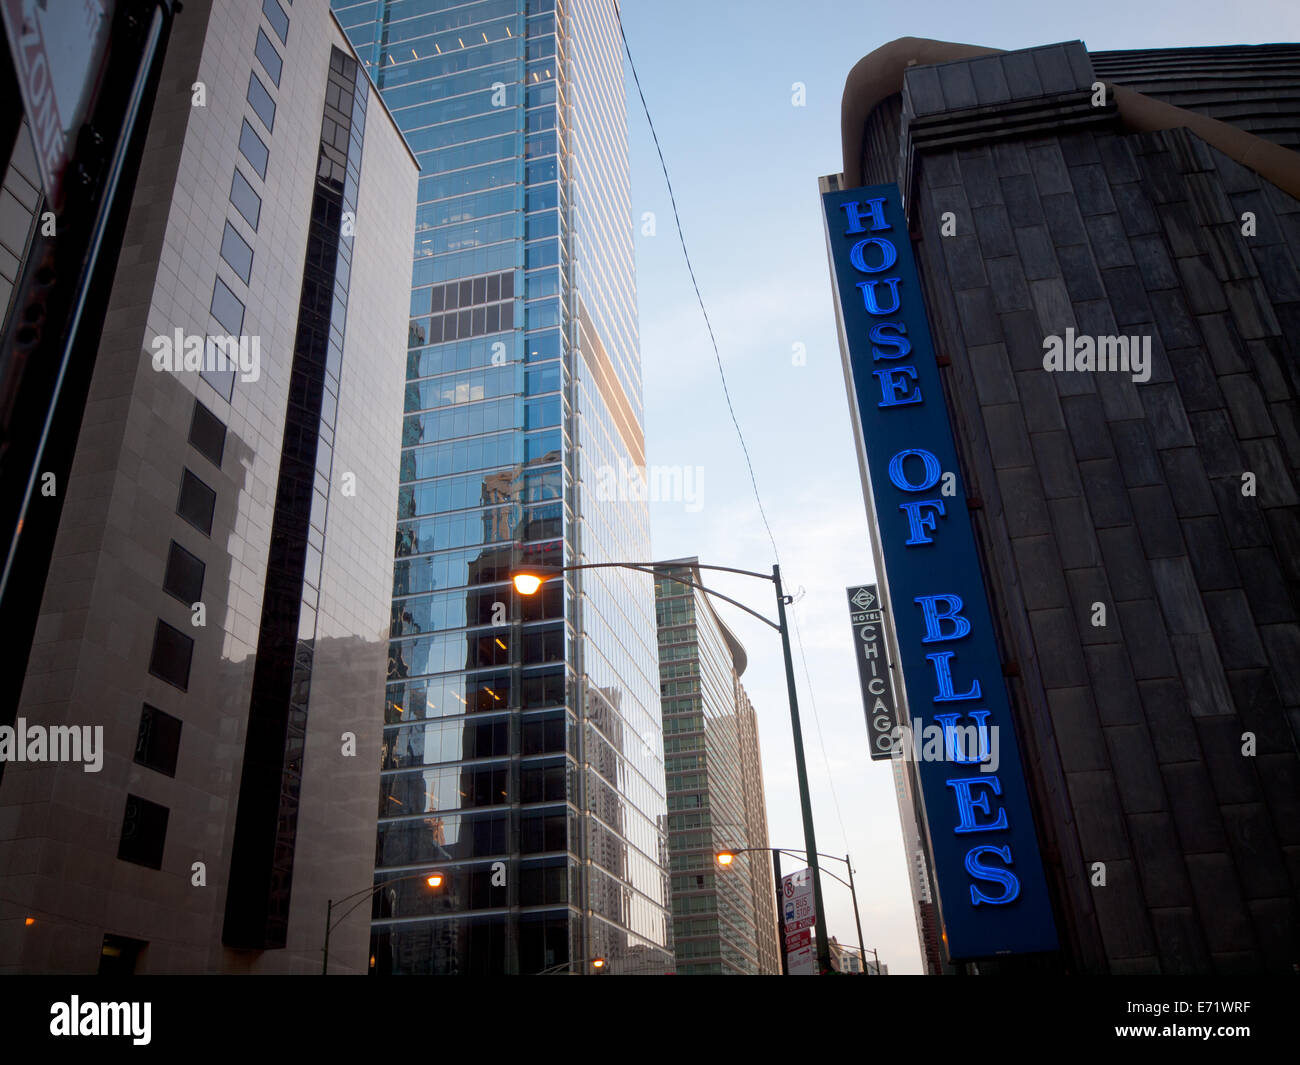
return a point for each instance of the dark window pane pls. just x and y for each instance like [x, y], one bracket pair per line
[184, 575]
[268, 56]
[118, 955]
[480, 289]
[227, 308]
[159, 740]
[277, 18]
[262, 101]
[246, 201]
[207, 434]
[235, 250]
[196, 503]
[171, 656]
[250, 144]
[144, 832]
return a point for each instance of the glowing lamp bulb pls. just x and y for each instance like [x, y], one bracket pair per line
[527, 583]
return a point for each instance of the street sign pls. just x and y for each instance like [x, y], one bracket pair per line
[802, 962]
[58, 52]
[870, 649]
[799, 916]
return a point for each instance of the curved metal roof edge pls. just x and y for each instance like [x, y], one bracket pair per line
[738, 656]
[879, 75]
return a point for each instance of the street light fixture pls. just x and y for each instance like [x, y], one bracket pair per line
[562, 969]
[527, 582]
[726, 857]
[433, 880]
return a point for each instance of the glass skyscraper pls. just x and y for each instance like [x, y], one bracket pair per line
[523, 740]
[724, 919]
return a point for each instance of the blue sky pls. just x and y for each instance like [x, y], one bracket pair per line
[744, 162]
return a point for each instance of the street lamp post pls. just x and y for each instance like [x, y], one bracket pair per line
[527, 583]
[563, 967]
[434, 880]
[725, 856]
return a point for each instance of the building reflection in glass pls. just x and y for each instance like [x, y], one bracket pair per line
[523, 379]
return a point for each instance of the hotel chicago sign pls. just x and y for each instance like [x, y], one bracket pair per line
[992, 892]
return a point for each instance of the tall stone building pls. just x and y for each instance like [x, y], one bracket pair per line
[1137, 523]
[216, 610]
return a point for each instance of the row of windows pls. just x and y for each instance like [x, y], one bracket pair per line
[483, 127]
[457, 456]
[467, 293]
[408, 19]
[144, 824]
[481, 321]
[458, 155]
[468, 84]
[493, 257]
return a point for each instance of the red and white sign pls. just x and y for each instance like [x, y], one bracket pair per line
[797, 919]
[58, 48]
[797, 901]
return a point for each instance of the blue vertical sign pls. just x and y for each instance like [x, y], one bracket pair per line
[990, 882]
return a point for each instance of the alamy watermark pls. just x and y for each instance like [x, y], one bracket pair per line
[652, 484]
[21, 742]
[948, 741]
[193, 352]
[77, 1018]
[1099, 354]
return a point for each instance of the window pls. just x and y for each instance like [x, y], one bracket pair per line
[172, 653]
[159, 740]
[277, 18]
[184, 575]
[119, 955]
[262, 101]
[197, 502]
[207, 434]
[227, 308]
[235, 250]
[246, 201]
[144, 832]
[268, 57]
[253, 149]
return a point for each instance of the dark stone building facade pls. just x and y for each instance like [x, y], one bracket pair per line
[1161, 743]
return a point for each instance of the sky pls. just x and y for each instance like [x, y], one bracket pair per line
[720, 80]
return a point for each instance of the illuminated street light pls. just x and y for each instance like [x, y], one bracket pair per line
[527, 583]
[433, 880]
[726, 858]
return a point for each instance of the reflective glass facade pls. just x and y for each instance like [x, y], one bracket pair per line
[523, 741]
[724, 919]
